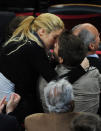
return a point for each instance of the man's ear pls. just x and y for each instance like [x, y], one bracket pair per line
[91, 46]
[41, 32]
[60, 60]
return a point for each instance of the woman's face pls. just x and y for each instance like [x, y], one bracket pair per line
[51, 38]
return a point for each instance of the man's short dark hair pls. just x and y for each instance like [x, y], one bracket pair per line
[71, 49]
[86, 122]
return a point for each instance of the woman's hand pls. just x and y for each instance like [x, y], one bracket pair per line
[12, 103]
[2, 103]
[85, 63]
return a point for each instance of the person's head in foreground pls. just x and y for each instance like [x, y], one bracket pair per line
[86, 122]
[59, 96]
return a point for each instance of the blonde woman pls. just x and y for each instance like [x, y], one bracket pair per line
[24, 58]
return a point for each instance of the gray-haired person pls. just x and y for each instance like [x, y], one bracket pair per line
[59, 96]
[91, 39]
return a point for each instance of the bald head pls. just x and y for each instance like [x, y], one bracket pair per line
[88, 34]
[86, 26]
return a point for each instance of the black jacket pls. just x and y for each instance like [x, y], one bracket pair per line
[8, 123]
[96, 62]
[23, 67]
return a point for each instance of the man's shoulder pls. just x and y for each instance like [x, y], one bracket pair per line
[94, 60]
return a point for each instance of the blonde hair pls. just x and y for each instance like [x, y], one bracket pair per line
[48, 21]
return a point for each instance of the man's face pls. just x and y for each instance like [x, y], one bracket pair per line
[97, 40]
[96, 33]
[56, 48]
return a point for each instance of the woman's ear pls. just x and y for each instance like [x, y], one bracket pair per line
[60, 60]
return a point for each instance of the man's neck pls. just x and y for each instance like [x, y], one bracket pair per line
[94, 55]
[91, 53]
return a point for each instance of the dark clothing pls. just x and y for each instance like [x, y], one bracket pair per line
[23, 68]
[73, 75]
[96, 62]
[8, 123]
